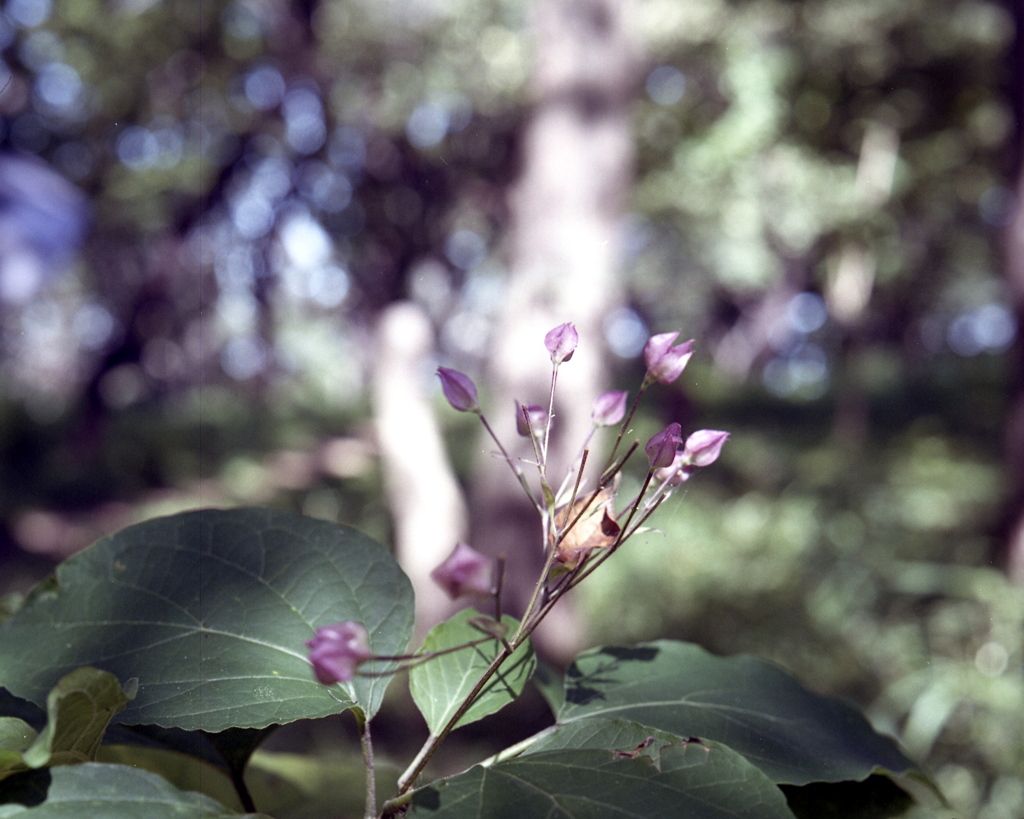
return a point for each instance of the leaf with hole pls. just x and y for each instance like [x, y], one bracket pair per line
[754, 707]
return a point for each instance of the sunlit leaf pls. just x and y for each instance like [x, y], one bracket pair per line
[79, 708]
[15, 738]
[440, 685]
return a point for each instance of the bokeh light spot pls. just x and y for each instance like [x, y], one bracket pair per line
[666, 85]
[806, 312]
[427, 125]
[28, 13]
[243, 358]
[264, 87]
[989, 328]
[625, 332]
[465, 249]
[93, 325]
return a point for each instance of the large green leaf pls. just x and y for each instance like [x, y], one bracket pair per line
[439, 686]
[210, 610]
[665, 778]
[98, 791]
[757, 709]
[587, 734]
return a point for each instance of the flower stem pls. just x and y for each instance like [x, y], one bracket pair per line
[371, 779]
[509, 460]
[625, 425]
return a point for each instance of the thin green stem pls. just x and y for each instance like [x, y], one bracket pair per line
[499, 581]
[366, 742]
[625, 426]
[413, 660]
[547, 424]
[537, 589]
[509, 460]
[578, 464]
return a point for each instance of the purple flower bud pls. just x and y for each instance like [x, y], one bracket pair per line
[337, 650]
[459, 389]
[661, 449]
[704, 446]
[538, 417]
[465, 571]
[665, 363]
[678, 472]
[561, 342]
[609, 408]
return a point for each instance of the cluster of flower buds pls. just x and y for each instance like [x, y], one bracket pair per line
[575, 523]
[702, 448]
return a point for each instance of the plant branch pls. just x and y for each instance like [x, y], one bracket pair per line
[433, 742]
[509, 460]
[623, 428]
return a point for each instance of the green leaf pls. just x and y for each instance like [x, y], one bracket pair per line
[187, 773]
[15, 737]
[551, 685]
[97, 791]
[210, 610]
[586, 734]
[877, 797]
[439, 686]
[79, 709]
[757, 709]
[678, 779]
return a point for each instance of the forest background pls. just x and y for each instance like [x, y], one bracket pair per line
[237, 237]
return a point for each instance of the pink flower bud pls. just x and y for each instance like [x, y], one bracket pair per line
[666, 363]
[661, 449]
[561, 342]
[609, 408]
[704, 446]
[538, 416]
[465, 571]
[337, 650]
[459, 389]
[678, 472]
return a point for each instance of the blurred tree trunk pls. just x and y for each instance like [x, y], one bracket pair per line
[1014, 270]
[567, 209]
[426, 503]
